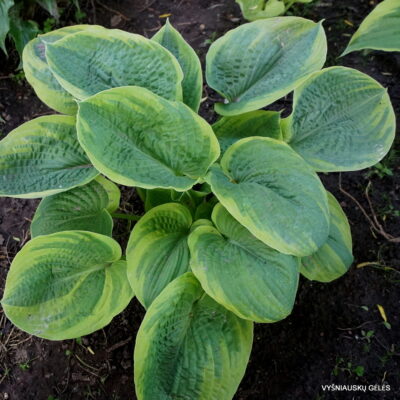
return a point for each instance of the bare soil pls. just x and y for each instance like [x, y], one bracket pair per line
[325, 340]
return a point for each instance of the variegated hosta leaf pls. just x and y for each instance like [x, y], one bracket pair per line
[190, 347]
[380, 30]
[157, 251]
[256, 123]
[334, 258]
[260, 62]
[66, 285]
[86, 63]
[39, 75]
[272, 192]
[43, 157]
[137, 138]
[82, 208]
[192, 84]
[342, 120]
[242, 273]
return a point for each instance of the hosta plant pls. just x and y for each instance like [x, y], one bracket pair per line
[258, 9]
[380, 30]
[235, 211]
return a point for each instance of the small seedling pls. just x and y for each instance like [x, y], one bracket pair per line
[24, 366]
[49, 24]
[19, 77]
[359, 370]
[367, 336]
[211, 39]
[381, 170]
[343, 366]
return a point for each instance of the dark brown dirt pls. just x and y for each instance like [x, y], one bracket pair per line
[322, 342]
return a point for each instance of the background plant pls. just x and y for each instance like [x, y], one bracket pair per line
[17, 20]
[258, 9]
[272, 218]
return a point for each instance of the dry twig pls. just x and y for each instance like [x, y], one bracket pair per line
[113, 10]
[374, 222]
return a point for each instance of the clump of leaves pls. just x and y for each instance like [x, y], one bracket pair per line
[258, 9]
[234, 211]
[380, 30]
[17, 20]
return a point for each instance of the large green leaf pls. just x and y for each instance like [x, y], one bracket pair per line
[192, 84]
[256, 123]
[260, 62]
[39, 75]
[43, 157]
[271, 191]
[334, 258]
[241, 273]
[82, 208]
[137, 138]
[157, 251]
[380, 30]
[342, 120]
[66, 285]
[190, 347]
[87, 62]
[5, 6]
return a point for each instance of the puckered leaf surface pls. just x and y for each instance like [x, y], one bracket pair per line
[39, 75]
[262, 61]
[82, 208]
[190, 347]
[66, 285]
[272, 192]
[342, 120]
[157, 251]
[242, 273]
[334, 257]
[137, 138]
[87, 62]
[43, 157]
